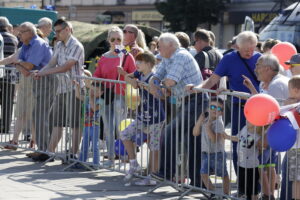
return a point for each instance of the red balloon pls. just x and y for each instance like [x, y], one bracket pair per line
[284, 51]
[261, 109]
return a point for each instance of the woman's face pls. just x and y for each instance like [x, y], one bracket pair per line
[115, 39]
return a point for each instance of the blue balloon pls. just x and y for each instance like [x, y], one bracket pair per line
[120, 148]
[139, 138]
[281, 135]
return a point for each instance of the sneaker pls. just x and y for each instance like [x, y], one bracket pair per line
[133, 170]
[146, 182]
[108, 164]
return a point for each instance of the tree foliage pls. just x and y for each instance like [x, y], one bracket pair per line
[186, 15]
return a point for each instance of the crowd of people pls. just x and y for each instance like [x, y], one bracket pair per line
[174, 111]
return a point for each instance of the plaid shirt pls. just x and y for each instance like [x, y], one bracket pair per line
[73, 50]
[181, 68]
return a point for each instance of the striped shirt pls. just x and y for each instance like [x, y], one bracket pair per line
[10, 43]
[73, 50]
[182, 68]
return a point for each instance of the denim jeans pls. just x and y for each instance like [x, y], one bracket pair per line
[286, 185]
[109, 129]
[189, 113]
[91, 135]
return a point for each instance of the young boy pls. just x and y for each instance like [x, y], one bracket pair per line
[294, 152]
[248, 153]
[93, 106]
[150, 118]
[213, 153]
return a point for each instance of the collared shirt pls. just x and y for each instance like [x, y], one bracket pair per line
[37, 52]
[72, 50]
[182, 68]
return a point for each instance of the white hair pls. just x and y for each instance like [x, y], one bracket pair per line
[45, 21]
[169, 38]
[270, 60]
[30, 26]
[246, 37]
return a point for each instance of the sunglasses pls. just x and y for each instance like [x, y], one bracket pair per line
[213, 107]
[125, 31]
[115, 39]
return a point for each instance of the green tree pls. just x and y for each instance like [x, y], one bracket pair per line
[186, 15]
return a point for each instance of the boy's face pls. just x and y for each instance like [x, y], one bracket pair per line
[97, 91]
[294, 93]
[142, 66]
[215, 109]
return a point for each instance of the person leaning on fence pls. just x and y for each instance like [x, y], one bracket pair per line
[234, 65]
[150, 118]
[114, 66]
[68, 59]
[249, 148]
[177, 69]
[93, 106]
[213, 156]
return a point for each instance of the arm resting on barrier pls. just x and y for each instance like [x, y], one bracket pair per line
[129, 78]
[58, 69]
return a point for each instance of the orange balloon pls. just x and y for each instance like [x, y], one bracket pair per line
[261, 109]
[284, 51]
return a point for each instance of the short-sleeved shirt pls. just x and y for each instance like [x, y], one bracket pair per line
[92, 118]
[37, 52]
[152, 109]
[206, 144]
[232, 66]
[278, 88]
[72, 50]
[247, 151]
[182, 68]
[107, 69]
[10, 43]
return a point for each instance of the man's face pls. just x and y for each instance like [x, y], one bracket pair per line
[164, 49]
[46, 30]
[295, 69]
[129, 35]
[25, 35]
[261, 71]
[246, 50]
[61, 32]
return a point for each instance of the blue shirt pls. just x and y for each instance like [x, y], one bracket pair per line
[93, 118]
[233, 67]
[37, 52]
[152, 109]
[182, 68]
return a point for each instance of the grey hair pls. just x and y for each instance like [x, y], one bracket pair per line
[271, 60]
[246, 37]
[30, 26]
[169, 38]
[114, 29]
[4, 22]
[45, 21]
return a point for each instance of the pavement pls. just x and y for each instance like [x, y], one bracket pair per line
[21, 178]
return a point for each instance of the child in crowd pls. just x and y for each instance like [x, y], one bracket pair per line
[93, 103]
[294, 152]
[213, 154]
[150, 118]
[249, 148]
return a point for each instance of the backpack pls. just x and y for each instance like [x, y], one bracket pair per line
[205, 71]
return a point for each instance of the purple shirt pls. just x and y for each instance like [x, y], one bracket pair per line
[37, 52]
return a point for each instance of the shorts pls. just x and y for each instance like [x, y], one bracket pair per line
[137, 126]
[66, 110]
[248, 181]
[294, 164]
[209, 165]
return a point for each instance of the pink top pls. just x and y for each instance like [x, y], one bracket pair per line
[107, 69]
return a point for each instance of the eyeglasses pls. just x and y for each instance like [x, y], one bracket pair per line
[126, 31]
[213, 107]
[58, 31]
[21, 32]
[115, 39]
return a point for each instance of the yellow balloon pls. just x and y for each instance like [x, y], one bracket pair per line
[124, 123]
[132, 97]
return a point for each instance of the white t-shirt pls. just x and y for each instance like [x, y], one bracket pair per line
[297, 143]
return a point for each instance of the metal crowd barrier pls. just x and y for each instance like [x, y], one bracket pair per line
[100, 112]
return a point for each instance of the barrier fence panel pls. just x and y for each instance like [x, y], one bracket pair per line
[192, 142]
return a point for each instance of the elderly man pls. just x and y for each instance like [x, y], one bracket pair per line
[45, 25]
[34, 55]
[177, 69]
[68, 58]
[234, 65]
[131, 32]
[7, 85]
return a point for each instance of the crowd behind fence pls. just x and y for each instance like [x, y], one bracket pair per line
[187, 140]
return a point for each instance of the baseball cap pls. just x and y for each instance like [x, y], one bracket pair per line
[295, 59]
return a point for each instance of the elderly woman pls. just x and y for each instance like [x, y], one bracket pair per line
[114, 66]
